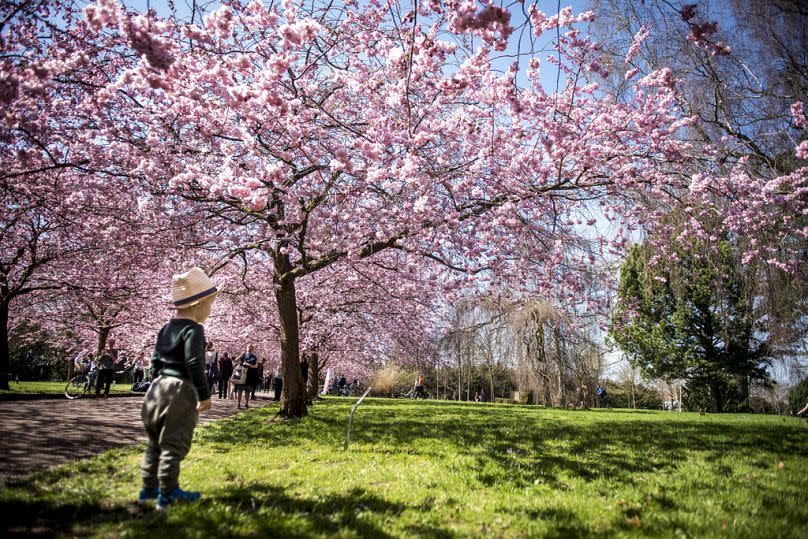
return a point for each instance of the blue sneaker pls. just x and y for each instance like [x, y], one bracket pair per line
[147, 495]
[177, 495]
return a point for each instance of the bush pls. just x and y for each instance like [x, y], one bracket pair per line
[391, 380]
[619, 396]
[32, 357]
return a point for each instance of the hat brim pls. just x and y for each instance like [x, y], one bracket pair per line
[197, 299]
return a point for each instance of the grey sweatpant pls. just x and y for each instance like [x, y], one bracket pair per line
[169, 415]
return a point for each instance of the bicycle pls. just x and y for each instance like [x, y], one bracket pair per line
[85, 382]
[80, 384]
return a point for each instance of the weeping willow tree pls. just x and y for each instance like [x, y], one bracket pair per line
[532, 341]
[556, 364]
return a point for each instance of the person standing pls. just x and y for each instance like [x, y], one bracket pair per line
[260, 378]
[140, 367]
[106, 368]
[225, 372]
[304, 368]
[179, 390]
[212, 365]
[239, 380]
[251, 363]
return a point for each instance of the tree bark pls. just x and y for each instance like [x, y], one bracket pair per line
[715, 395]
[314, 376]
[293, 400]
[742, 392]
[103, 335]
[4, 353]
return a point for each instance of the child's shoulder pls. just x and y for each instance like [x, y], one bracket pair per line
[182, 326]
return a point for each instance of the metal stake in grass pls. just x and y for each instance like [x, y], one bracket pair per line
[350, 417]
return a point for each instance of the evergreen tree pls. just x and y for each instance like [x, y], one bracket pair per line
[692, 321]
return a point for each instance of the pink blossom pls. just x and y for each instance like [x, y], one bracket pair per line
[104, 13]
[798, 113]
[299, 33]
[661, 78]
[802, 150]
[142, 34]
[641, 35]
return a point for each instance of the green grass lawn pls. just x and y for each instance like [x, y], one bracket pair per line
[53, 388]
[438, 469]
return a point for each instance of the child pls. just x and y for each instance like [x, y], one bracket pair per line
[179, 390]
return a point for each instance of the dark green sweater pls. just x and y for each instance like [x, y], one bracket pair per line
[180, 352]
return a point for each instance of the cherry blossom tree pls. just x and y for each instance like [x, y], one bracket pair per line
[313, 138]
[328, 136]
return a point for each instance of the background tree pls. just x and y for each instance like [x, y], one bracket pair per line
[692, 321]
[743, 81]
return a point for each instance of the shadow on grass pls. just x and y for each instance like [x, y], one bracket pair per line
[514, 445]
[524, 446]
[247, 510]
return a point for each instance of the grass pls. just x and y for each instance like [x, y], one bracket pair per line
[438, 469]
[53, 388]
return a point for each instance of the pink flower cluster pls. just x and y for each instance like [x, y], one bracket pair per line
[661, 78]
[103, 14]
[700, 33]
[641, 35]
[9, 86]
[492, 18]
[798, 113]
[541, 23]
[492, 24]
[141, 33]
[221, 22]
[299, 33]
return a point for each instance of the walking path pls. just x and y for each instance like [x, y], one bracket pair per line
[38, 434]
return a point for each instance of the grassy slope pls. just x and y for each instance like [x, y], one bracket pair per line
[440, 469]
[56, 388]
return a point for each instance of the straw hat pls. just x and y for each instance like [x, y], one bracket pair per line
[191, 287]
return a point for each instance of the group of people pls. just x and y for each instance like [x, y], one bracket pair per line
[101, 365]
[339, 386]
[240, 376]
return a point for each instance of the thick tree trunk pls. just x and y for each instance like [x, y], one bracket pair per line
[742, 393]
[715, 395]
[314, 376]
[293, 400]
[103, 335]
[4, 359]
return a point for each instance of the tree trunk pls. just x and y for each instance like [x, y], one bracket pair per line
[314, 376]
[4, 359]
[293, 400]
[742, 393]
[491, 379]
[459, 375]
[562, 397]
[103, 335]
[715, 395]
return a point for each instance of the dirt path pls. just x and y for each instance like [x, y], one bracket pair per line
[39, 434]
